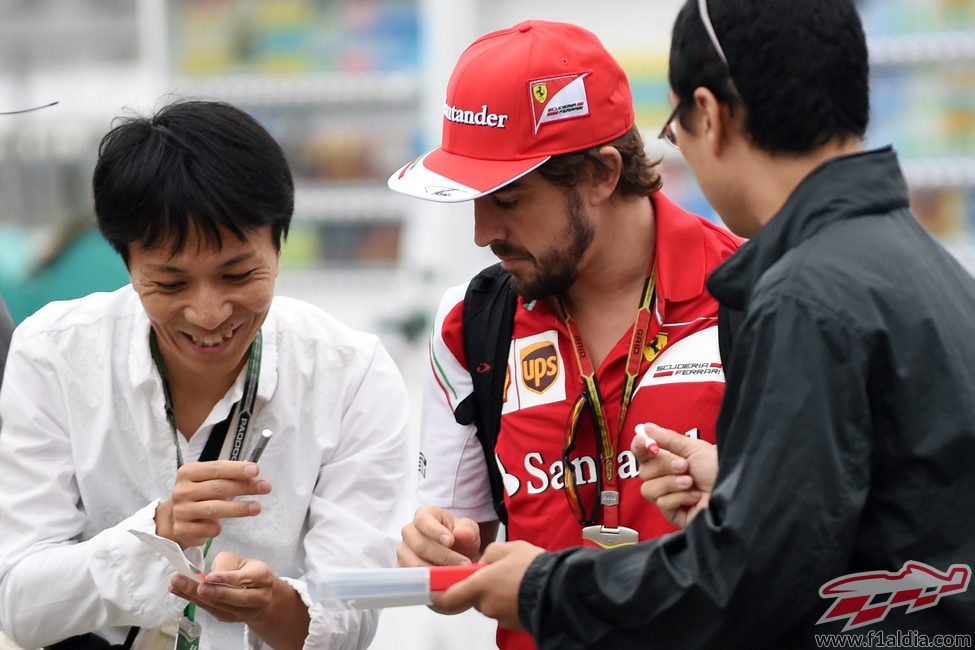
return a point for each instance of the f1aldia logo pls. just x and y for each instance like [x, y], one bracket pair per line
[866, 598]
[539, 366]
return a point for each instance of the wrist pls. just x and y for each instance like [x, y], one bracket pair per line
[164, 520]
[284, 621]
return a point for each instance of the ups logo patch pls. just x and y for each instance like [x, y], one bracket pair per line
[539, 366]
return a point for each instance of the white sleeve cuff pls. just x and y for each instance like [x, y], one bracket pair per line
[129, 573]
[328, 629]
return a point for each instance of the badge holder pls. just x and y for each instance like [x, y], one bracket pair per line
[163, 637]
[601, 536]
[188, 637]
[608, 538]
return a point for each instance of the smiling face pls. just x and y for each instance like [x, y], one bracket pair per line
[205, 304]
[538, 230]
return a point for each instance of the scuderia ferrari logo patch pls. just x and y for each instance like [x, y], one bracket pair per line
[558, 98]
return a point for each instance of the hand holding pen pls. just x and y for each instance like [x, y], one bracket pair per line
[678, 470]
[205, 493]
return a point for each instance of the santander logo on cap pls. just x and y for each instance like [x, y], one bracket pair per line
[480, 118]
[517, 97]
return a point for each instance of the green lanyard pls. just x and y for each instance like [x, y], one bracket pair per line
[242, 410]
[239, 418]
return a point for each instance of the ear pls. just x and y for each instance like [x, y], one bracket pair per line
[604, 181]
[712, 120]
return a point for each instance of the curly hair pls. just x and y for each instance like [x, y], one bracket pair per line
[639, 176]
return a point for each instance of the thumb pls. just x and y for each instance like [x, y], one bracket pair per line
[467, 537]
[467, 528]
[676, 443]
[226, 561]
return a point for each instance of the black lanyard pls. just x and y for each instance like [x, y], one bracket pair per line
[240, 414]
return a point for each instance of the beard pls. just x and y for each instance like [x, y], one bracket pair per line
[557, 269]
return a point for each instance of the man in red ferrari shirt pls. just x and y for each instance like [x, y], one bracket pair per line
[613, 325]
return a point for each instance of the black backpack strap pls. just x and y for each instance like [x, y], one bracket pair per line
[488, 323]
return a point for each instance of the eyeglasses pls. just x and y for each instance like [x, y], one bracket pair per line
[568, 471]
[669, 132]
[28, 110]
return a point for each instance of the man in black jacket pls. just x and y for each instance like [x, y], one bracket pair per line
[845, 493]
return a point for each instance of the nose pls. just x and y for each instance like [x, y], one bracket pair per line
[488, 223]
[208, 308]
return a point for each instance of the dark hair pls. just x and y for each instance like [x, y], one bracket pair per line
[193, 165]
[639, 176]
[799, 68]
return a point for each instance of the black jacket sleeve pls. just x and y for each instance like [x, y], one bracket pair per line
[794, 470]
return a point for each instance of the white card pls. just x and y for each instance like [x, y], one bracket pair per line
[172, 552]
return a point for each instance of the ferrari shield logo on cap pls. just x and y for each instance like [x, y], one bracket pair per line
[540, 92]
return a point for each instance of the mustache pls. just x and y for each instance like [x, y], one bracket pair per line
[502, 249]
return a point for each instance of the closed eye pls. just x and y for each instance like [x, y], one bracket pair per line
[239, 277]
[504, 204]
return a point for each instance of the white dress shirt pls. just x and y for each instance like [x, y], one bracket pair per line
[86, 453]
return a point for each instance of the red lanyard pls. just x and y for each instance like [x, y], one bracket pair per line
[608, 443]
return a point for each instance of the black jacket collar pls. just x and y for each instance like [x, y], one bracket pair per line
[868, 182]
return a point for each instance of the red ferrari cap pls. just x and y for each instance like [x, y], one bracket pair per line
[517, 97]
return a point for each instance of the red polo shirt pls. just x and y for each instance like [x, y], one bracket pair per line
[680, 388]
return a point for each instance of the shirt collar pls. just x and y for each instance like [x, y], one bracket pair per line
[864, 183]
[142, 369]
[681, 264]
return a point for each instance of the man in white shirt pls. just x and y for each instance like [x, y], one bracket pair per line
[110, 399]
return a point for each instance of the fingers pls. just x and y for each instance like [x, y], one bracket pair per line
[227, 561]
[195, 522]
[458, 598]
[434, 537]
[227, 603]
[678, 500]
[418, 549]
[243, 573]
[236, 589]
[435, 523]
[676, 443]
[467, 538]
[204, 494]
[493, 590]
[654, 489]
[218, 480]
[497, 550]
[212, 510]
[234, 470]
[663, 464]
